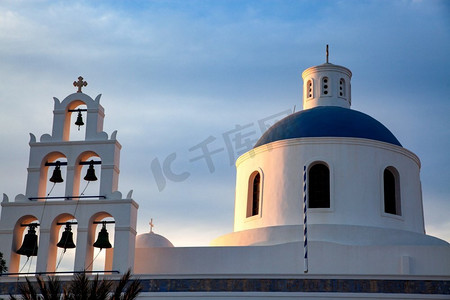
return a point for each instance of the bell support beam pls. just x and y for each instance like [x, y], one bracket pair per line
[64, 163]
[65, 223]
[68, 197]
[30, 224]
[56, 163]
[77, 110]
[93, 162]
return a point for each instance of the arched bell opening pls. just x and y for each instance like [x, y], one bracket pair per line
[101, 241]
[75, 121]
[25, 245]
[87, 175]
[53, 176]
[62, 248]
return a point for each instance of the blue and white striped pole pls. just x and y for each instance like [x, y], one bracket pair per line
[305, 226]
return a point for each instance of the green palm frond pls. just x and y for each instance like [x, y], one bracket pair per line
[80, 288]
[126, 290]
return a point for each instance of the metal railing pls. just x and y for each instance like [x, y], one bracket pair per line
[60, 272]
[66, 197]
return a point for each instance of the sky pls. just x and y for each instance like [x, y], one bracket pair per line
[178, 75]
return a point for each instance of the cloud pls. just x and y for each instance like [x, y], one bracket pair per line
[174, 73]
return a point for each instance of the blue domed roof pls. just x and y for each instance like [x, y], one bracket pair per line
[328, 121]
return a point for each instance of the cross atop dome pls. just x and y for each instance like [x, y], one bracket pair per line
[151, 225]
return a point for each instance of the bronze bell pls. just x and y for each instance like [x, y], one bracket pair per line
[66, 241]
[79, 121]
[56, 176]
[30, 243]
[90, 174]
[102, 239]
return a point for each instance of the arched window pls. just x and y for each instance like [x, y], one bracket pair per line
[391, 191]
[319, 186]
[325, 86]
[253, 204]
[342, 88]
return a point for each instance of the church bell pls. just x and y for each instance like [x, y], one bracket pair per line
[30, 243]
[56, 176]
[79, 122]
[102, 239]
[90, 174]
[66, 241]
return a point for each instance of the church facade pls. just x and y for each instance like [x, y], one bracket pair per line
[328, 206]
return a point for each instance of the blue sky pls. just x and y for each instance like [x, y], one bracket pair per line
[174, 74]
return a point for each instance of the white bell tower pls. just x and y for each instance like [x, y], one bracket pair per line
[58, 145]
[86, 211]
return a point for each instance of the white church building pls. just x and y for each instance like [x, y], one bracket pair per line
[328, 206]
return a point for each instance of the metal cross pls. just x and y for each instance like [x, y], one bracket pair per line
[151, 225]
[327, 53]
[80, 83]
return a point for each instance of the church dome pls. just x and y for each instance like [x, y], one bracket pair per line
[328, 121]
[152, 240]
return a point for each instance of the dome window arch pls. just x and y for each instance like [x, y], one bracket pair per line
[325, 87]
[391, 191]
[254, 195]
[319, 186]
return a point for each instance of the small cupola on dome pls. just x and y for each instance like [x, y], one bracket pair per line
[326, 111]
[326, 85]
[152, 240]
